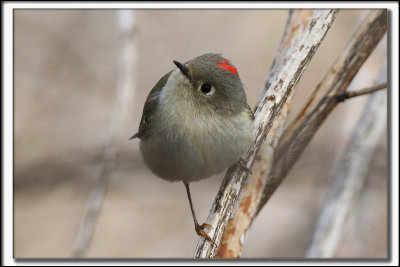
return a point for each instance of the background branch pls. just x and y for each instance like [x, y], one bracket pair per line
[124, 95]
[350, 176]
[323, 100]
[277, 91]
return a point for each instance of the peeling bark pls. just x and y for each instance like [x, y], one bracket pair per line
[285, 73]
[299, 133]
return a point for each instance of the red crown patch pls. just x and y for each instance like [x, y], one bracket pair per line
[225, 64]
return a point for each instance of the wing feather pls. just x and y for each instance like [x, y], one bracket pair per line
[150, 106]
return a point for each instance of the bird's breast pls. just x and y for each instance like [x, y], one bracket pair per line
[188, 145]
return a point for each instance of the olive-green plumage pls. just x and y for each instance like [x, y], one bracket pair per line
[196, 121]
[151, 105]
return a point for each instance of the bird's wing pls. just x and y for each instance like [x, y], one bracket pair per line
[150, 106]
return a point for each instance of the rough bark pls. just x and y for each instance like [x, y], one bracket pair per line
[237, 227]
[299, 133]
[302, 47]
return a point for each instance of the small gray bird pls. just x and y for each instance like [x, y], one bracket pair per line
[195, 123]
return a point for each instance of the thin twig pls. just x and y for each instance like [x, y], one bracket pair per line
[295, 62]
[124, 96]
[302, 129]
[350, 176]
[364, 91]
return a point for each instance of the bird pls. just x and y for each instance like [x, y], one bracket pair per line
[196, 122]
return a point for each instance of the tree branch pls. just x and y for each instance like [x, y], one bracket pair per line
[277, 90]
[124, 95]
[236, 230]
[323, 100]
[239, 224]
[364, 91]
[350, 176]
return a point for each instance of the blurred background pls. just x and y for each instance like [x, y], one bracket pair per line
[65, 80]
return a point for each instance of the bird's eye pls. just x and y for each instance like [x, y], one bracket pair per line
[205, 88]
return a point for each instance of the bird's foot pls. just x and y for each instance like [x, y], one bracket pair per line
[200, 231]
[242, 164]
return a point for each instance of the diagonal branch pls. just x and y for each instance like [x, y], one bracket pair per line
[236, 230]
[239, 224]
[323, 100]
[277, 90]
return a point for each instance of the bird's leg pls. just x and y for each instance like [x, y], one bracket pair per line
[199, 228]
[242, 164]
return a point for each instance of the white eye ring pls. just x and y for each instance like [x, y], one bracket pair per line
[207, 89]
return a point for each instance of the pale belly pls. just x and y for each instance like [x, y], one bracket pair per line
[181, 153]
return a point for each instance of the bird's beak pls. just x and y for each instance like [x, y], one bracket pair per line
[184, 69]
[134, 136]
